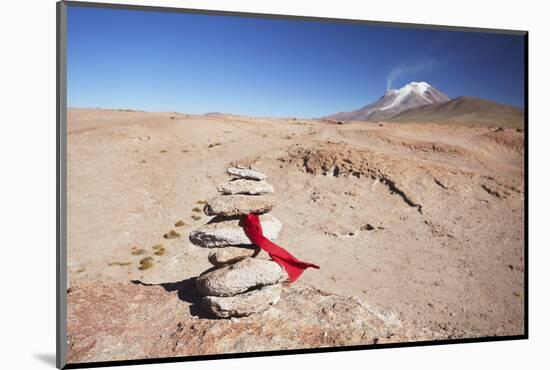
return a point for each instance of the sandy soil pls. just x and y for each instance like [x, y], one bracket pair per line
[426, 221]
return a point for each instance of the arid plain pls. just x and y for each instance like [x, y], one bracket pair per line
[425, 221]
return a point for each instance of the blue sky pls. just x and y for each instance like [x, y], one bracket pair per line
[158, 61]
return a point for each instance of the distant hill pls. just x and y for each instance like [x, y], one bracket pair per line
[393, 102]
[464, 110]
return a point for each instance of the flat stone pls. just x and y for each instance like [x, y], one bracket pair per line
[238, 278]
[233, 205]
[245, 304]
[246, 173]
[244, 186]
[224, 231]
[228, 255]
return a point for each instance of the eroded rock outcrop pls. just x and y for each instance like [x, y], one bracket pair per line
[124, 321]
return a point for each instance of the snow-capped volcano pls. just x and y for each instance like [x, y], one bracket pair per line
[395, 101]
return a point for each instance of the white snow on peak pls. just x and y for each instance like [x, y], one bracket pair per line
[421, 87]
[417, 87]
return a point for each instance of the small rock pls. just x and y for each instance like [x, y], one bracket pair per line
[233, 205]
[224, 256]
[137, 252]
[254, 301]
[223, 231]
[146, 263]
[244, 186]
[246, 173]
[172, 234]
[367, 227]
[238, 278]
[159, 249]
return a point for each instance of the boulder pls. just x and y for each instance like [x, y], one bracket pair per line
[246, 173]
[234, 205]
[225, 256]
[245, 304]
[224, 231]
[244, 186]
[139, 321]
[238, 278]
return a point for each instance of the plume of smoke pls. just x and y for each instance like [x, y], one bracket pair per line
[408, 69]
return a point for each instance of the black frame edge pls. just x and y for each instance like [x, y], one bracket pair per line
[526, 186]
[61, 193]
[289, 352]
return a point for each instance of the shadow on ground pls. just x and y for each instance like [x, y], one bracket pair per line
[187, 292]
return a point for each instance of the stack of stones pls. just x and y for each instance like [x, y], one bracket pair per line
[239, 284]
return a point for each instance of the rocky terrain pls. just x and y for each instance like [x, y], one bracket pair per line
[424, 222]
[131, 321]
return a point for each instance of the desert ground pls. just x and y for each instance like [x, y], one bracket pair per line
[422, 220]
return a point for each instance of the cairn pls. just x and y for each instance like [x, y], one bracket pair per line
[239, 284]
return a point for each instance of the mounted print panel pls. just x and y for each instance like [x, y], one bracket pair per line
[248, 184]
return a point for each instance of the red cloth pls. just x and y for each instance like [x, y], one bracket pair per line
[293, 266]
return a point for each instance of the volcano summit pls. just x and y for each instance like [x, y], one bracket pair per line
[395, 101]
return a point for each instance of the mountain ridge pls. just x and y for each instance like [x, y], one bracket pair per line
[393, 102]
[419, 102]
[465, 110]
